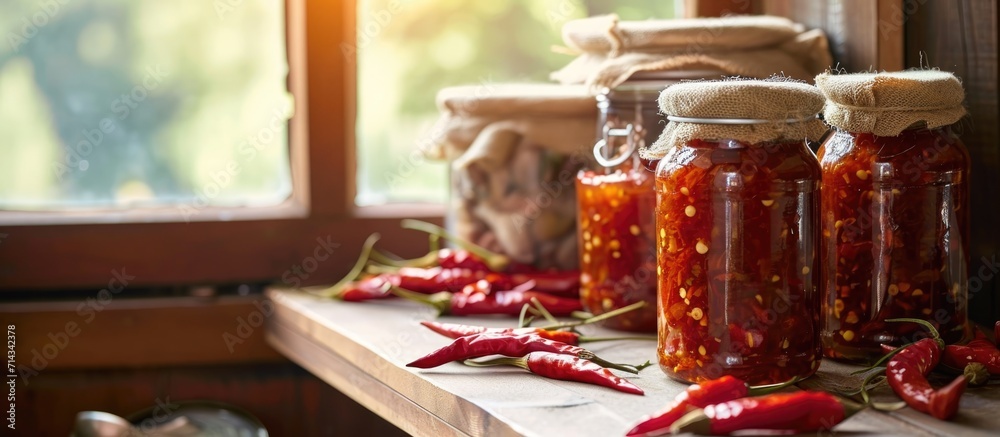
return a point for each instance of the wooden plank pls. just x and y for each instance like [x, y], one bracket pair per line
[863, 34]
[961, 36]
[94, 332]
[337, 340]
[358, 385]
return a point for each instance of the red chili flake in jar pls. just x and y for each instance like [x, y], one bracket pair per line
[738, 231]
[895, 212]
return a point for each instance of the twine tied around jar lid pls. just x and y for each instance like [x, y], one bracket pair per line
[885, 104]
[746, 110]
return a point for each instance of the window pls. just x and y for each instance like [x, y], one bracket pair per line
[248, 233]
[408, 50]
[117, 104]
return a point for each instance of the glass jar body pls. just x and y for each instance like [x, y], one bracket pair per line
[616, 200]
[895, 225]
[737, 250]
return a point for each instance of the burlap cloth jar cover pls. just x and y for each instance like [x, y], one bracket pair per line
[885, 104]
[610, 51]
[515, 151]
[788, 106]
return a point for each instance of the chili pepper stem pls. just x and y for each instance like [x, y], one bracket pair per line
[934, 332]
[425, 261]
[520, 318]
[633, 337]
[760, 390]
[599, 318]
[359, 266]
[501, 361]
[544, 312]
[440, 301]
[496, 261]
[587, 355]
[880, 361]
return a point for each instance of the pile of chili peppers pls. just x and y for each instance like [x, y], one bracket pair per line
[907, 367]
[466, 281]
[551, 352]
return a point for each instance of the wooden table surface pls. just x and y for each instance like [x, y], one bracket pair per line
[361, 349]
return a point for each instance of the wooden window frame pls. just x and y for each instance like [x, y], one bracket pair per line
[236, 245]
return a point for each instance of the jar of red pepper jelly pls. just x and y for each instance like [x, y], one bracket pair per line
[737, 225]
[616, 200]
[895, 211]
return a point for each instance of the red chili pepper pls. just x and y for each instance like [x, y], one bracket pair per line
[907, 375]
[799, 412]
[508, 302]
[566, 368]
[984, 353]
[373, 287]
[455, 330]
[481, 345]
[700, 395]
[562, 283]
[460, 258]
[436, 279]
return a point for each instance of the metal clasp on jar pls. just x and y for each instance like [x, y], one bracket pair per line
[603, 154]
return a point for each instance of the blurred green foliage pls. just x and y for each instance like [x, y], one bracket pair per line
[409, 49]
[121, 103]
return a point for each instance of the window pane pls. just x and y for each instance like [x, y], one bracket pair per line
[126, 103]
[409, 49]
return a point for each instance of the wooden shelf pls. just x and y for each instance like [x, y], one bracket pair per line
[362, 349]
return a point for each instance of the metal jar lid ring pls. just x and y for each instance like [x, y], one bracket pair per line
[734, 121]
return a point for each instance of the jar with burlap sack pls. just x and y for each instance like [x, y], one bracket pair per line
[737, 221]
[514, 152]
[610, 51]
[895, 210]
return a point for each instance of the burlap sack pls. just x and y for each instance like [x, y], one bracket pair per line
[514, 157]
[885, 104]
[789, 108]
[610, 51]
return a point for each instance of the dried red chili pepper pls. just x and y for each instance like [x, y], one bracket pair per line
[566, 368]
[907, 372]
[984, 353]
[446, 258]
[561, 283]
[804, 411]
[508, 302]
[456, 330]
[481, 345]
[373, 287]
[700, 395]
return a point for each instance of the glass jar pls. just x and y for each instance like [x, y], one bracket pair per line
[895, 226]
[738, 229]
[616, 200]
